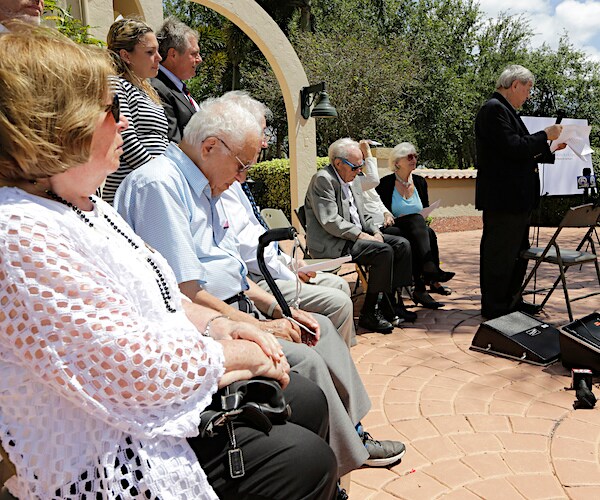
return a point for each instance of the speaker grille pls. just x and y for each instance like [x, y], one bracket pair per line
[513, 323]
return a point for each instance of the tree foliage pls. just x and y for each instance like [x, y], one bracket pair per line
[396, 70]
[68, 25]
[366, 85]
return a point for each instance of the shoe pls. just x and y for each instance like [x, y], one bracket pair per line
[375, 322]
[382, 453]
[440, 290]
[390, 316]
[394, 320]
[438, 276]
[405, 314]
[423, 298]
[341, 493]
[445, 276]
[529, 308]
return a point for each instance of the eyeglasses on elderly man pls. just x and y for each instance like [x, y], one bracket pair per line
[139, 362]
[352, 165]
[244, 167]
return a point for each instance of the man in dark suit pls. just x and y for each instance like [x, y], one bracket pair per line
[337, 224]
[507, 190]
[178, 47]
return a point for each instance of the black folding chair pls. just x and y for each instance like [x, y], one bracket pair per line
[584, 216]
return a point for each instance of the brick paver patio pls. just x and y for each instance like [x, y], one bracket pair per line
[475, 425]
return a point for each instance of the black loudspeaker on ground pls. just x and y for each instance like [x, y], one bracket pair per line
[520, 337]
[580, 343]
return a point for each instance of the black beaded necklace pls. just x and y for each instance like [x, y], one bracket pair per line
[160, 279]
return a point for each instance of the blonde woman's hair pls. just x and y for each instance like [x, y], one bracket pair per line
[53, 92]
[126, 34]
[400, 151]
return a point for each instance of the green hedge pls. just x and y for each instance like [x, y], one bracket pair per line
[553, 208]
[271, 186]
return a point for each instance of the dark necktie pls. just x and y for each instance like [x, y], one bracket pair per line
[252, 201]
[188, 95]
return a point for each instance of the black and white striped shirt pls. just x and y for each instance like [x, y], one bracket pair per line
[145, 137]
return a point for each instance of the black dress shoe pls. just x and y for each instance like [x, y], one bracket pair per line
[529, 308]
[441, 289]
[438, 276]
[375, 322]
[392, 318]
[426, 300]
[444, 276]
[405, 314]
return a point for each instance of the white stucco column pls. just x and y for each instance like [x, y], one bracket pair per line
[264, 32]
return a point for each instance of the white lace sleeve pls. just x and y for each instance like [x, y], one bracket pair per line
[68, 320]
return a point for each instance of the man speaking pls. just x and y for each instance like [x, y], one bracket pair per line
[507, 190]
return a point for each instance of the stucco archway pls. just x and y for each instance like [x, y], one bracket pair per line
[264, 32]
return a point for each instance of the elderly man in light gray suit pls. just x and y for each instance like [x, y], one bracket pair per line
[337, 224]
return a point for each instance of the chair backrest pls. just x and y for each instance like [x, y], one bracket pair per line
[301, 214]
[582, 216]
[275, 218]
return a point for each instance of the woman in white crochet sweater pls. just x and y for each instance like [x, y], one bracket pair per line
[103, 370]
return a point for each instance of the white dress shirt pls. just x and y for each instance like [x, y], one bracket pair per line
[244, 224]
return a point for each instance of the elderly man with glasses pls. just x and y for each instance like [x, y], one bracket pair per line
[337, 224]
[173, 203]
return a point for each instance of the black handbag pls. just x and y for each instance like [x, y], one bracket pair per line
[258, 401]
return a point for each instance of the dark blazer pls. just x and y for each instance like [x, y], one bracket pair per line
[328, 224]
[387, 184]
[507, 159]
[177, 106]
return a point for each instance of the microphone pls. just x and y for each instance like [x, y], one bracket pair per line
[587, 182]
[560, 114]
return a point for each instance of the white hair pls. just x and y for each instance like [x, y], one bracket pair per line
[400, 151]
[512, 73]
[257, 108]
[341, 148]
[222, 118]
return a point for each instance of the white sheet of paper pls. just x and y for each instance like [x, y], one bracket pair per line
[576, 137]
[328, 264]
[427, 210]
[560, 177]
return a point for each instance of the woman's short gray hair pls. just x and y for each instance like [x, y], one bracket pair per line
[512, 73]
[400, 151]
[222, 118]
[341, 148]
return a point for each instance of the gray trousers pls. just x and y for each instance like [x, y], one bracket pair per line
[331, 367]
[327, 294]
